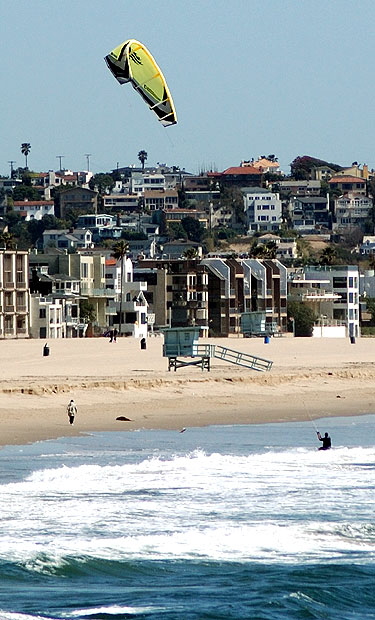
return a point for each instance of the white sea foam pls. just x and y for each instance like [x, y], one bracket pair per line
[267, 506]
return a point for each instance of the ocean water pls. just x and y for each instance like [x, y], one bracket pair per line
[214, 523]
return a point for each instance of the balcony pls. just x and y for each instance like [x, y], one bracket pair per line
[21, 309]
[9, 309]
[9, 285]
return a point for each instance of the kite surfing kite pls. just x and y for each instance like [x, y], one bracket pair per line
[132, 62]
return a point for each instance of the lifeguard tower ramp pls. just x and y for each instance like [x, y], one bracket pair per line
[183, 343]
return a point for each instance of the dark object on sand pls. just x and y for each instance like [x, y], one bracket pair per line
[122, 418]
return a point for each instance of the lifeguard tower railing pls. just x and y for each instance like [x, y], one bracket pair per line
[201, 355]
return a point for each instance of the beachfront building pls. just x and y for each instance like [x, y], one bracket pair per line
[177, 292]
[265, 289]
[333, 292]
[134, 309]
[14, 294]
[86, 267]
[54, 306]
[55, 316]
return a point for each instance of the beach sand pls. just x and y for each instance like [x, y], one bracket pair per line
[310, 378]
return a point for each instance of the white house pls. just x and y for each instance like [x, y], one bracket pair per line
[262, 209]
[34, 209]
[367, 246]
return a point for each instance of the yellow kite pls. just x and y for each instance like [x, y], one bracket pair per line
[132, 62]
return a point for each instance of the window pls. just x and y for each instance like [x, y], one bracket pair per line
[339, 282]
[42, 313]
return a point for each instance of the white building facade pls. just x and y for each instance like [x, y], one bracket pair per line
[263, 210]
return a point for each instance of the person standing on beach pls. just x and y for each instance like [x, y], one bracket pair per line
[115, 332]
[72, 411]
[326, 441]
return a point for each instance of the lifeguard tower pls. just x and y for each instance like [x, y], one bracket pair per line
[182, 342]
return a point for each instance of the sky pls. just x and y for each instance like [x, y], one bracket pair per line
[248, 78]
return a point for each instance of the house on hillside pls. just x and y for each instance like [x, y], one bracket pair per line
[348, 183]
[308, 213]
[352, 209]
[34, 209]
[76, 198]
[263, 209]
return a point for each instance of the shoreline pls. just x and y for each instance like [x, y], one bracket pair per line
[309, 379]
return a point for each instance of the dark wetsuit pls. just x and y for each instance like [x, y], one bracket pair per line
[326, 441]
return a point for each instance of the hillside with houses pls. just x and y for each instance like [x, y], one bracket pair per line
[249, 250]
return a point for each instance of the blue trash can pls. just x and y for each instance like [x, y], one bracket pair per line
[352, 339]
[266, 339]
[45, 350]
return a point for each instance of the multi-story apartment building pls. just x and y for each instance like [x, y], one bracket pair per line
[266, 291]
[14, 294]
[177, 292]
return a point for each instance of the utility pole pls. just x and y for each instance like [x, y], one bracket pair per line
[11, 162]
[59, 157]
[88, 155]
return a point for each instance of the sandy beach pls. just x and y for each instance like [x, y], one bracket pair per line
[310, 378]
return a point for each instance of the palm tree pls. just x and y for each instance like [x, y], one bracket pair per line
[25, 150]
[120, 251]
[142, 156]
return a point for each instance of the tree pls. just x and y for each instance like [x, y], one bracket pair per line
[87, 311]
[103, 183]
[120, 250]
[190, 253]
[142, 156]
[301, 167]
[25, 192]
[304, 318]
[25, 150]
[327, 256]
[263, 250]
[7, 239]
[175, 230]
[194, 229]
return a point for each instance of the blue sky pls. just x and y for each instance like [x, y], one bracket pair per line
[249, 78]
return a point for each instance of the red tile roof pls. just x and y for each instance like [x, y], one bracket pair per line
[346, 178]
[245, 170]
[32, 203]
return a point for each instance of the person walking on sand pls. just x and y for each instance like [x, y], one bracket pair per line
[326, 441]
[72, 411]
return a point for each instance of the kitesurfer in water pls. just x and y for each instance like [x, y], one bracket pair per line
[326, 441]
